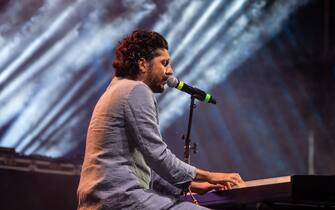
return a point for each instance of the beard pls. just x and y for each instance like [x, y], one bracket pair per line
[156, 82]
[157, 86]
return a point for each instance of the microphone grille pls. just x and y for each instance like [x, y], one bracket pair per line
[172, 82]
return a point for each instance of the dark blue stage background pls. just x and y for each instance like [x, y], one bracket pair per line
[270, 64]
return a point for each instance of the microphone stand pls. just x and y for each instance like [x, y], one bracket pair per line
[187, 147]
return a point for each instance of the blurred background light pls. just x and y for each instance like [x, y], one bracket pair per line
[56, 60]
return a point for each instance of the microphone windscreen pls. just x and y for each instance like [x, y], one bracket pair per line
[172, 82]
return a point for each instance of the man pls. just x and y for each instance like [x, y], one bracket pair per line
[127, 165]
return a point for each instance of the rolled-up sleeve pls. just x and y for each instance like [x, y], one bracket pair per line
[142, 125]
[163, 187]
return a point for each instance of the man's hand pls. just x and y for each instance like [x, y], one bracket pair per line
[204, 187]
[226, 179]
[223, 178]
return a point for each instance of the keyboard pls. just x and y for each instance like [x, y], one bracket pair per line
[290, 190]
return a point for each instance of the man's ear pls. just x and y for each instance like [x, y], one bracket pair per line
[142, 65]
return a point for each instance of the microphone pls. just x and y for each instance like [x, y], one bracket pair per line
[195, 92]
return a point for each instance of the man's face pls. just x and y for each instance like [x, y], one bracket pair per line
[159, 68]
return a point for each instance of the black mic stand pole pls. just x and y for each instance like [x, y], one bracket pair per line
[187, 147]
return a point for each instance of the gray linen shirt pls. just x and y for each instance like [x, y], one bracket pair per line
[123, 147]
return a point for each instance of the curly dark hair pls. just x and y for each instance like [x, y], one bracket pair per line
[139, 44]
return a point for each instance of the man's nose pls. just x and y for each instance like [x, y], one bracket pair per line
[169, 70]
